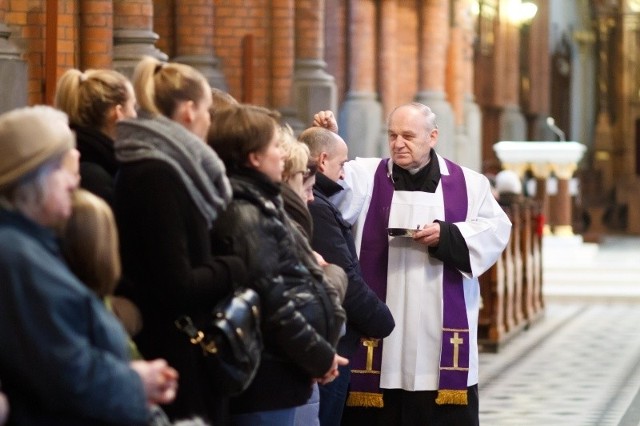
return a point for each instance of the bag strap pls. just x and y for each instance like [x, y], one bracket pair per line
[196, 337]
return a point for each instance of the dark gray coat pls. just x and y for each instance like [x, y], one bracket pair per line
[64, 357]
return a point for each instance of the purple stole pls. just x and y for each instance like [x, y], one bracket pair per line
[374, 255]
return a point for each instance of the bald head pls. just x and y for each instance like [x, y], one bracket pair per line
[328, 149]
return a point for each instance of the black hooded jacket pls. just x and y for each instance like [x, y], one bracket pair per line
[367, 315]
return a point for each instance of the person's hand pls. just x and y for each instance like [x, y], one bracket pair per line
[331, 375]
[429, 235]
[327, 120]
[160, 381]
[320, 259]
[4, 408]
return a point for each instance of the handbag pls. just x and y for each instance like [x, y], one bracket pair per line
[230, 339]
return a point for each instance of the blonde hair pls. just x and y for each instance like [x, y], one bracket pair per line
[88, 96]
[297, 154]
[90, 243]
[160, 86]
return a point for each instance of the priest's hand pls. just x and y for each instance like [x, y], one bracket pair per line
[429, 235]
[327, 120]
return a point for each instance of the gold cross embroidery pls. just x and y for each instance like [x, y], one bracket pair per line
[456, 341]
[370, 344]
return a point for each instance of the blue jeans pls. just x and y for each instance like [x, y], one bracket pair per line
[283, 417]
[332, 398]
[307, 414]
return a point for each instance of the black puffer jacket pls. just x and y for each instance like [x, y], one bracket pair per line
[254, 227]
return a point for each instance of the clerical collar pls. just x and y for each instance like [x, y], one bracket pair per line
[425, 179]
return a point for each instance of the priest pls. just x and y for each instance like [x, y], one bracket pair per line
[425, 230]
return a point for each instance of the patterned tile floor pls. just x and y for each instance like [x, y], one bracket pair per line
[578, 365]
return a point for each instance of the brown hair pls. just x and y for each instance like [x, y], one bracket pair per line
[238, 131]
[161, 86]
[87, 96]
[90, 243]
[220, 99]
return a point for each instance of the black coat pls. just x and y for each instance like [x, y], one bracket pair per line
[98, 164]
[167, 257]
[254, 226]
[367, 315]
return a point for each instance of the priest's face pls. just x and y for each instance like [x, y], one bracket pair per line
[410, 138]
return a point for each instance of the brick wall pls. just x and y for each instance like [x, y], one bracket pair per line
[26, 19]
[234, 21]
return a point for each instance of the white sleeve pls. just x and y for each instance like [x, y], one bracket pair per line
[487, 229]
[351, 199]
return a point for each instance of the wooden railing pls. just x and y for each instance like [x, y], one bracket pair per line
[512, 289]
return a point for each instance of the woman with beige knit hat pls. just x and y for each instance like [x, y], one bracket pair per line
[64, 357]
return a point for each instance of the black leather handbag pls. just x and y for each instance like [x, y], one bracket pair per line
[230, 339]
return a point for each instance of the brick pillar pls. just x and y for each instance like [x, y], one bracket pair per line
[432, 65]
[96, 33]
[388, 62]
[561, 214]
[513, 126]
[194, 39]
[455, 80]
[13, 69]
[313, 88]
[361, 114]
[133, 35]
[471, 154]
[282, 62]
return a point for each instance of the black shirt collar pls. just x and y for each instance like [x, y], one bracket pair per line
[425, 179]
[326, 186]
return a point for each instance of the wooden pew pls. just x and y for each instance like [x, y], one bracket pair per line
[511, 290]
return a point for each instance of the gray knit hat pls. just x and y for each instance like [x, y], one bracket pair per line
[29, 137]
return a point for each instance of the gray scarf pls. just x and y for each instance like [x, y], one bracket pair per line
[199, 167]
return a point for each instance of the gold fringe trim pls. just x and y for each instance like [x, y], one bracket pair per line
[453, 397]
[365, 399]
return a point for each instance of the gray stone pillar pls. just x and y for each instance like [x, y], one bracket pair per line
[13, 71]
[434, 42]
[133, 35]
[471, 154]
[513, 126]
[313, 88]
[360, 118]
[194, 40]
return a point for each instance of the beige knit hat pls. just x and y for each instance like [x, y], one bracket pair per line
[29, 137]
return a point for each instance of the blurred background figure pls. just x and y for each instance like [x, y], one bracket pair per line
[220, 99]
[4, 409]
[89, 241]
[95, 100]
[295, 195]
[255, 227]
[170, 189]
[64, 357]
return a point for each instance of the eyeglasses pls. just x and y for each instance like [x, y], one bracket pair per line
[311, 171]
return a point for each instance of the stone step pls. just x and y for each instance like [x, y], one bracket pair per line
[574, 270]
